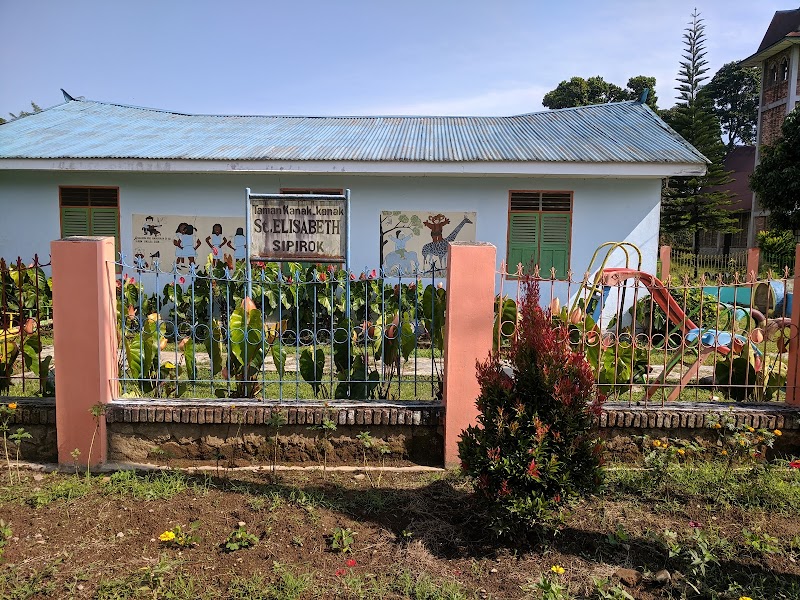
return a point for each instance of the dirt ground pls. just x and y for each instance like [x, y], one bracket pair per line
[414, 535]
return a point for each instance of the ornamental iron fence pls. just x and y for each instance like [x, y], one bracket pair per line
[291, 332]
[652, 341]
[26, 329]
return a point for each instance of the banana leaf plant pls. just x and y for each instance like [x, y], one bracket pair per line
[24, 341]
[143, 360]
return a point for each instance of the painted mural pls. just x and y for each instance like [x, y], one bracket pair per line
[183, 241]
[412, 241]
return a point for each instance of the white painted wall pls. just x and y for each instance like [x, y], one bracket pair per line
[604, 209]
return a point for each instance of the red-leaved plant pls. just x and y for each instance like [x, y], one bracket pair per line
[533, 448]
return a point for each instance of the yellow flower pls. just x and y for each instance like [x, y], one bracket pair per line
[717, 426]
[724, 453]
[750, 429]
[745, 598]
[233, 406]
[167, 536]
[557, 569]
[13, 406]
[656, 443]
[681, 451]
[778, 432]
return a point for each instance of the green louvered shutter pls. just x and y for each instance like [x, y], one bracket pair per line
[554, 244]
[105, 221]
[74, 221]
[523, 239]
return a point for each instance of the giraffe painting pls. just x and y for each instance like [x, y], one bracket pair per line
[434, 254]
[412, 241]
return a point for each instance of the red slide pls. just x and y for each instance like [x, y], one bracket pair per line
[658, 291]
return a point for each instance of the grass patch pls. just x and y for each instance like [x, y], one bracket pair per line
[773, 487]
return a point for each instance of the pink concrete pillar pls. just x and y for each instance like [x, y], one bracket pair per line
[85, 342]
[793, 372]
[467, 335]
[752, 262]
[665, 254]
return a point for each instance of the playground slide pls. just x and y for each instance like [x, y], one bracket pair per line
[673, 310]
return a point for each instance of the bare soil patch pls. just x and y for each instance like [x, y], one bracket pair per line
[414, 536]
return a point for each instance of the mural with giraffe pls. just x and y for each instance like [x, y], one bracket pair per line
[420, 241]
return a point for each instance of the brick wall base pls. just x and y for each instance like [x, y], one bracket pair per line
[207, 432]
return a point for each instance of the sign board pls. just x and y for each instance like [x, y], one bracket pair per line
[298, 227]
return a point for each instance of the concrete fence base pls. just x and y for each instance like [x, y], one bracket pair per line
[196, 432]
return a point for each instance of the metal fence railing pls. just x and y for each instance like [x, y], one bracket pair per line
[775, 266]
[26, 329]
[289, 333]
[656, 341]
[708, 265]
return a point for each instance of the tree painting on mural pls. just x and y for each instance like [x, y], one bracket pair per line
[420, 240]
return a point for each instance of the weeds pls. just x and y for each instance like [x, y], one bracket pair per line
[5, 534]
[277, 419]
[342, 540]
[238, 539]
[98, 410]
[326, 428]
[288, 586]
[161, 580]
[6, 413]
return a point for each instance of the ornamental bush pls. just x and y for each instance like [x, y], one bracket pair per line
[533, 449]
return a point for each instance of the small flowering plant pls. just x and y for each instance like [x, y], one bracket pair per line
[661, 453]
[181, 538]
[738, 441]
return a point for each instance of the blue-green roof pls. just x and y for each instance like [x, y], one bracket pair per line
[624, 132]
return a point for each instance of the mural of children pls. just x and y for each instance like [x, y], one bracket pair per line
[216, 241]
[180, 251]
[185, 243]
[436, 224]
[239, 246]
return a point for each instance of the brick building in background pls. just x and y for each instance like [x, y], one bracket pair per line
[779, 59]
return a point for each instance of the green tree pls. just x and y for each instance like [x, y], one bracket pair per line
[640, 83]
[596, 90]
[694, 203]
[776, 179]
[734, 92]
[35, 108]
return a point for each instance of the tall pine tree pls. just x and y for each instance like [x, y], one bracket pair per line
[695, 204]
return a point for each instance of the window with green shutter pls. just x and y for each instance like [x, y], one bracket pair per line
[540, 231]
[89, 211]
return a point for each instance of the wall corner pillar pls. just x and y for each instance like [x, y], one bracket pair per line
[84, 344]
[471, 270]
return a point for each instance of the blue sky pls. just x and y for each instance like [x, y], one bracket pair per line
[351, 57]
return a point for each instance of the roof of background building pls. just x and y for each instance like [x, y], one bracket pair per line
[785, 22]
[783, 31]
[625, 132]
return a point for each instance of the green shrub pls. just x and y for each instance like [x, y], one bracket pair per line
[533, 448]
[776, 242]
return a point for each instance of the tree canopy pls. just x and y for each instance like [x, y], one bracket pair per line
[734, 93]
[776, 178]
[35, 108]
[696, 203]
[596, 90]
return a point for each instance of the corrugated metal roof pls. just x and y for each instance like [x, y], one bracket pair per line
[627, 132]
